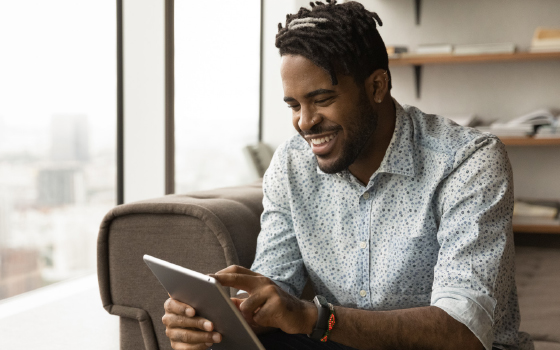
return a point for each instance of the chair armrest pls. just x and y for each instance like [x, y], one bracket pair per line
[205, 231]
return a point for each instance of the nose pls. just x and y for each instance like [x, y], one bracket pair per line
[307, 118]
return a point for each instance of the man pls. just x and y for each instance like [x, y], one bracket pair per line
[401, 220]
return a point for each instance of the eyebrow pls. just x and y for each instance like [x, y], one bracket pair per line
[311, 94]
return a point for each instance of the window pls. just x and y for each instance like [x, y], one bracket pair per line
[57, 138]
[217, 50]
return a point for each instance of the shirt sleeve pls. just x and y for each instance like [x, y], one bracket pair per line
[278, 256]
[475, 268]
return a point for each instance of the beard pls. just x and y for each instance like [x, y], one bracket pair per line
[359, 131]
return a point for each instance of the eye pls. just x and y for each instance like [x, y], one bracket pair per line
[325, 100]
[293, 107]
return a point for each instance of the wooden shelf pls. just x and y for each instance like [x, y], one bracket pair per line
[418, 60]
[535, 225]
[530, 141]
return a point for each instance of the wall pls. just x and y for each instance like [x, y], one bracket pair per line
[277, 125]
[490, 90]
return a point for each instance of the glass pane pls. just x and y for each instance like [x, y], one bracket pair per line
[216, 91]
[57, 137]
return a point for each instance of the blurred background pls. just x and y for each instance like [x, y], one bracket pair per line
[59, 107]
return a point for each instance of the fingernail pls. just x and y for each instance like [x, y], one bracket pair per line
[189, 312]
[216, 338]
[208, 325]
[209, 344]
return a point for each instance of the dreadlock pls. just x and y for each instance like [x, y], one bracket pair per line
[339, 38]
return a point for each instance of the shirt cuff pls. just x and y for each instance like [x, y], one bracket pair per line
[240, 292]
[473, 309]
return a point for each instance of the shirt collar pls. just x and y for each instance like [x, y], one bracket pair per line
[399, 155]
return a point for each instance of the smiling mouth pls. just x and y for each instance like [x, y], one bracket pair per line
[322, 140]
[322, 146]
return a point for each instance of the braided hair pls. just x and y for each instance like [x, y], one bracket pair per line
[340, 38]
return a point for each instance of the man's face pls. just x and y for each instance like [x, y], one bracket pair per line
[336, 120]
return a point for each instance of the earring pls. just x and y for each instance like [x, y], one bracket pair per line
[312, 120]
[378, 100]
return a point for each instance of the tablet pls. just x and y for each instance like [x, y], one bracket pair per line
[209, 300]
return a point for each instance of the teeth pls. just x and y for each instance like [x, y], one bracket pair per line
[322, 140]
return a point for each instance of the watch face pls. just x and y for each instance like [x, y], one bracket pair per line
[322, 300]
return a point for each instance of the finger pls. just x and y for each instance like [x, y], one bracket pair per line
[237, 301]
[247, 283]
[176, 307]
[191, 336]
[179, 321]
[252, 305]
[237, 269]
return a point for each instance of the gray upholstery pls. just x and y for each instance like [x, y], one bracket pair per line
[189, 230]
[210, 230]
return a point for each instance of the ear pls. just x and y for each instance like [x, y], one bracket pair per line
[377, 86]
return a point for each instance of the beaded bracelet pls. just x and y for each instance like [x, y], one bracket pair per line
[332, 320]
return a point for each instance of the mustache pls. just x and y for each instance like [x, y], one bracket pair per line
[317, 130]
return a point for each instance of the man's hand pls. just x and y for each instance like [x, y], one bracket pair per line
[269, 305]
[186, 330]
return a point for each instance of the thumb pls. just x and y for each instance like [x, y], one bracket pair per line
[237, 302]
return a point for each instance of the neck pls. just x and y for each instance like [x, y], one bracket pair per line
[371, 157]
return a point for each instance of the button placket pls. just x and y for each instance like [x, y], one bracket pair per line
[365, 253]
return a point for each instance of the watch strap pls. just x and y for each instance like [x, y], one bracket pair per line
[323, 314]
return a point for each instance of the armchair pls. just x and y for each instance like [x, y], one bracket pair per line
[209, 230]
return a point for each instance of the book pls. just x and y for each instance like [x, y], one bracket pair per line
[543, 209]
[545, 49]
[476, 49]
[504, 129]
[525, 125]
[434, 49]
[545, 40]
[537, 117]
[396, 50]
[548, 132]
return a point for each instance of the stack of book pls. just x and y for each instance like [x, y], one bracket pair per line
[527, 125]
[536, 209]
[434, 49]
[478, 49]
[471, 49]
[508, 130]
[545, 40]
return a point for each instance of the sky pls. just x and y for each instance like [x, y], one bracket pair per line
[58, 57]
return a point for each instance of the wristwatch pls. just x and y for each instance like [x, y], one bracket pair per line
[323, 313]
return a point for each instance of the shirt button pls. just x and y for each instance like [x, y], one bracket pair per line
[366, 195]
[363, 245]
[363, 293]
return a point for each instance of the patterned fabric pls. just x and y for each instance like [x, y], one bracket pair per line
[432, 227]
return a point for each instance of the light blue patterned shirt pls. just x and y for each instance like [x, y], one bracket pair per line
[432, 227]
